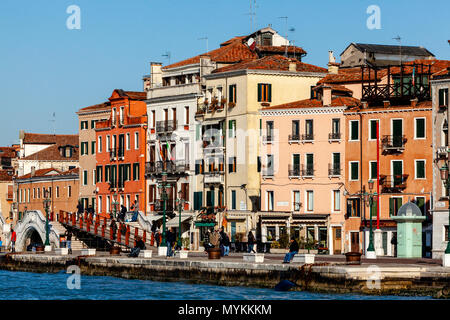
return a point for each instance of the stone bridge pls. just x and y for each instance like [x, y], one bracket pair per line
[32, 227]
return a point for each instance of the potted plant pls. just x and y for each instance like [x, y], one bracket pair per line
[308, 244]
[186, 243]
[231, 104]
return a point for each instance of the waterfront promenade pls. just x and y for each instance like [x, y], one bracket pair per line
[330, 274]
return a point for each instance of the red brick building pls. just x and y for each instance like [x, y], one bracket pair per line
[121, 153]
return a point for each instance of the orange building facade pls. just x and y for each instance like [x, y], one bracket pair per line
[121, 153]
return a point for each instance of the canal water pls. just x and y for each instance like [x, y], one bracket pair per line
[53, 286]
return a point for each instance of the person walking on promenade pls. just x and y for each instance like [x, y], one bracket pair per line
[153, 237]
[139, 245]
[69, 241]
[13, 240]
[224, 243]
[170, 240]
[113, 227]
[293, 250]
[207, 241]
[79, 210]
[123, 213]
[251, 242]
[135, 209]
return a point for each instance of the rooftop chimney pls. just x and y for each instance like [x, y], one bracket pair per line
[155, 74]
[333, 66]
[33, 171]
[326, 97]
[292, 65]
[386, 103]
[414, 102]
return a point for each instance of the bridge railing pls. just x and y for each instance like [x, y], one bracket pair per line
[119, 233]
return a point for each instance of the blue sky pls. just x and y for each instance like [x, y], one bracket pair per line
[46, 68]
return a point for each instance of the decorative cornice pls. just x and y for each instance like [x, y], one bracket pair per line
[171, 98]
[381, 110]
[263, 72]
[298, 111]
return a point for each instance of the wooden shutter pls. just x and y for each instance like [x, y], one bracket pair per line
[391, 207]
[259, 92]
[269, 89]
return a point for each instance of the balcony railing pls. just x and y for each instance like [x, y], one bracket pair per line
[307, 172]
[393, 143]
[116, 152]
[396, 90]
[171, 167]
[392, 183]
[166, 126]
[294, 171]
[442, 153]
[294, 138]
[307, 137]
[159, 205]
[334, 170]
[334, 136]
[267, 172]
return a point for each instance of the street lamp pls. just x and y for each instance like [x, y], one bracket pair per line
[162, 189]
[46, 204]
[115, 203]
[181, 202]
[444, 177]
[370, 252]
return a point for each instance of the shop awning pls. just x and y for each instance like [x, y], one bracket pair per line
[205, 224]
[175, 222]
[154, 217]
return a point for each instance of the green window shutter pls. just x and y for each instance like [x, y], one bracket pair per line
[93, 147]
[391, 207]
[230, 128]
[270, 93]
[85, 177]
[234, 93]
[259, 92]
[233, 199]
[420, 128]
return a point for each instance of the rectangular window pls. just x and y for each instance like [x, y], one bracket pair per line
[309, 200]
[309, 165]
[108, 143]
[269, 129]
[107, 173]
[92, 147]
[233, 199]
[135, 171]
[232, 164]
[394, 205]
[264, 92]
[419, 128]
[84, 125]
[69, 191]
[309, 130]
[99, 144]
[353, 207]
[85, 177]
[186, 115]
[57, 191]
[420, 169]
[354, 130]
[420, 202]
[354, 170]
[121, 114]
[94, 177]
[270, 200]
[136, 140]
[232, 128]
[336, 200]
[373, 129]
[296, 199]
[443, 97]
[153, 118]
[128, 141]
[93, 124]
[84, 148]
[335, 126]
[232, 93]
[446, 233]
[108, 202]
[295, 129]
[373, 170]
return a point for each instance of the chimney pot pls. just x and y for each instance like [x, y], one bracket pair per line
[386, 103]
[414, 102]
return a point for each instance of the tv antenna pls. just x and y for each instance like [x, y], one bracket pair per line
[286, 19]
[53, 123]
[399, 39]
[252, 13]
[167, 55]
[205, 38]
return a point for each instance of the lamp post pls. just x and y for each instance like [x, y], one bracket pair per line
[46, 204]
[181, 202]
[445, 178]
[370, 252]
[115, 204]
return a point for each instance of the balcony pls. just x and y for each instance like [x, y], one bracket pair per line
[174, 90]
[9, 196]
[214, 176]
[294, 138]
[116, 153]
[307, 137]
[391, 143]
[442, 153]
[171, 167]
[159, 205]
[267, 173]
[166, 126]
[393, 183]
[294, 171]
[268, 139]
[334, 170]
[334, 136]
[307, 172]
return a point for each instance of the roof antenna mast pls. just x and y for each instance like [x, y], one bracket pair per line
[167, 55]
[399, 39]
[54, 121]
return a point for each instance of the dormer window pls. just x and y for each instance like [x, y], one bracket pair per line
[66, 151]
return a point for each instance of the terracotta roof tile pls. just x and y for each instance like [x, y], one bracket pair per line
[345, 75]
[96, 107]
[6, 175]
[40, 173]
[52, 153]
[275, 62]
[281, 49]
[334, 87]
[134, 95]
[60, 139]
[7, 152]
[314, 103]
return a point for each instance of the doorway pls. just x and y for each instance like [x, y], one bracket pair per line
[354, 242]
[337, 240]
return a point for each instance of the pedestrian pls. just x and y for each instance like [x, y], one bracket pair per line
[13, 240]
[79, 210]
[170, 241]
[206, 242]
[139, 245]
[251, 242]
[113, 227]
[69, 240]
[157, 237]
[153, 230]
[1, 244]
[123, 213]
[394, 243]
[224, 242]
[293, 250]
[135, 209]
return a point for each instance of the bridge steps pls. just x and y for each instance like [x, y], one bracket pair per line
[76, 243]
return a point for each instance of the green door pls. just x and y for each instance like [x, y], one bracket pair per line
[397, 172]
[210, 198]
[233, 231]
[397, 132]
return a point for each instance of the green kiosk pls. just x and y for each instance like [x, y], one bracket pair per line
[409, 220]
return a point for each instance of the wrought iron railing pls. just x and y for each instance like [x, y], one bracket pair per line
[393, 182]
[396, 142]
